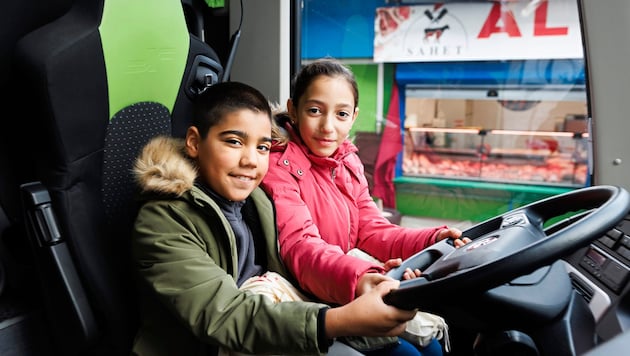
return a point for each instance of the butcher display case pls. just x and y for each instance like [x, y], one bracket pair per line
[504, 156]
[483, 137]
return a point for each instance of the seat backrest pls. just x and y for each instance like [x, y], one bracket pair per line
[19, 310]
[101, 81]
[368, 144]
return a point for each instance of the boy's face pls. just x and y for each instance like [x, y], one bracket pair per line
[234, 157]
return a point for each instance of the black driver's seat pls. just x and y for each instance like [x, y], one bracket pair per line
[98, 83]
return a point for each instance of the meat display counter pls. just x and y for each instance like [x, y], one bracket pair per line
[505, 156]
[483, 137]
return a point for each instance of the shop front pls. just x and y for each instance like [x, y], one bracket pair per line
[481, 138]
[492, 105]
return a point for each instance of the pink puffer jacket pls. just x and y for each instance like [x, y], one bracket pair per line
[324, 209]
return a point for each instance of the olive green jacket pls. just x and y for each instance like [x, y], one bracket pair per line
[185, 253]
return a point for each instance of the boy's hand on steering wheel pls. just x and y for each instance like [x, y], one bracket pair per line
[369, 281]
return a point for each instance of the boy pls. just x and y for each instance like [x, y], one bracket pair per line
[205, 227]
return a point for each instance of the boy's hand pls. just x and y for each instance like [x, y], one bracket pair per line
[368, 315]
[369, 281]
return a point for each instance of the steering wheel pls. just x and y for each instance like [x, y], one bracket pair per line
[508, 246]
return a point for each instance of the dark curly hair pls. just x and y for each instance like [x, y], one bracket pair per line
[212, 106]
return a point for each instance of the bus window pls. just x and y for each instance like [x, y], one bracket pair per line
[492, 107]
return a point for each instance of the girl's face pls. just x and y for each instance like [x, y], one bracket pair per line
[234, 157]
[324, 114]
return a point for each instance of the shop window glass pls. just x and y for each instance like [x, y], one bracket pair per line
[489, 92]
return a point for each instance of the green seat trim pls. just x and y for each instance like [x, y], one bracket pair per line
[145, 45]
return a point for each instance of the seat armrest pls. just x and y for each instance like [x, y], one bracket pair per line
[71, 318]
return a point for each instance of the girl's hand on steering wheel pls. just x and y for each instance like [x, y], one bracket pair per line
[395, 262]
[411, 274]
[392, 263]
[454, 234]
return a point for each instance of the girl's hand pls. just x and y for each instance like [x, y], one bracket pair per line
[408, 274]
[411, 274]
[393, 263]
[452, 233]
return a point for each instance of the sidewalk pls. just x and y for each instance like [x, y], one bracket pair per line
[414, 221]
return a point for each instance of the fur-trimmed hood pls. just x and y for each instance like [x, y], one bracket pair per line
[163, 167]
[186, 256]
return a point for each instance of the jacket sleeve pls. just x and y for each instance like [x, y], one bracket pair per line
[321, 269]
[380, 238]
[176, 263]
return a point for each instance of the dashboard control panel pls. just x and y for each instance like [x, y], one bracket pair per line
[608, 258]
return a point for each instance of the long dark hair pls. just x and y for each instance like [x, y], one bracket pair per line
[329, 67]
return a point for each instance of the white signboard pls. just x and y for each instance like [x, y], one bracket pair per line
[491, 30]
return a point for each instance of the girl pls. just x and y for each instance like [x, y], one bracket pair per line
[324, 208]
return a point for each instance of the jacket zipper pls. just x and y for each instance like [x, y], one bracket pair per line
[333, 174]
